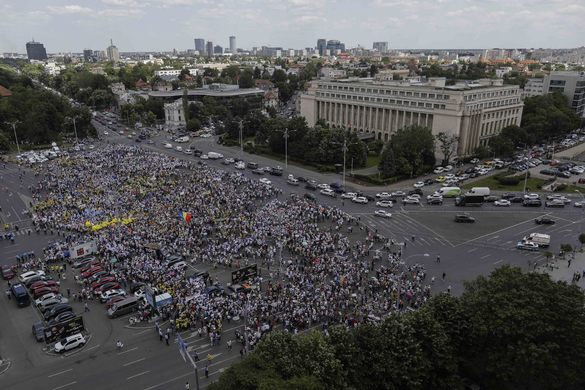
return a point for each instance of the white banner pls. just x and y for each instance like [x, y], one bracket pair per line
[87, 248]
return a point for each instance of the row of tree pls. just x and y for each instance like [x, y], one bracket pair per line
[544, 119]
[320, 145]
[41, 116]
[511, 330]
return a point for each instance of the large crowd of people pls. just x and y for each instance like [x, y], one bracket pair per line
[318, 265]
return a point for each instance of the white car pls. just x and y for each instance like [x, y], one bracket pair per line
[383, 195]
[323, 186]
[179, 148]
[579, 204]
[532, 196]
[328, 192]
[384, 203]
[448, 168]
[502, 202]
[360, 199]
[106, 133]
[29, 275]
[44, 298]
[383, 213]
[204, 156]
[69, 343]
[348, 195]
[118, 292]
[438, 170]
[527, 246]
[265, 181]
[230, 160]
[399, 194]
[168, 146]
[188, 151]
[411, 200]
[419, 184]
[240, 165]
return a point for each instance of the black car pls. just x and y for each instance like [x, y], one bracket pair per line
[464, 218]
[310, 186]
[56, 310]
[301, 179]
[435, 201]
[310, 197]
[532, 203]
[544, 221]
[197, 153]
[516, 199]
[135, 286]
[38, 330]
[508, 195]
[65, 316]
[275, 171]
[429, 182]
[416, 191]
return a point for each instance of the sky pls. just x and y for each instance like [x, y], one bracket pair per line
[157, 25]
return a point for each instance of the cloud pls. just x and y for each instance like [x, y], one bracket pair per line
[124, 3]
[69, 9]
[310, 19]
[172, 3]
[120, 12]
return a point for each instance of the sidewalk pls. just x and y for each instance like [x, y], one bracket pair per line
[561, 271]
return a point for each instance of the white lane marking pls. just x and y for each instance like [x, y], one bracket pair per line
[170, 380]
[492, 238]
[498, 262]
[128, 350]
[133, 362]
[486, 256]
[59, 373]
[60, 387]
[472, 250]
[140, 373]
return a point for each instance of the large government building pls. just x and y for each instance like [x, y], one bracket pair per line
[474, 111]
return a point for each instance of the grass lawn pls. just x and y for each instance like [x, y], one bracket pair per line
[373, 161]
[531, 184]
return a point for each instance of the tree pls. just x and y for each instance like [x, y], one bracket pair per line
[373, 70]
[519, 326]
[582, 239]
[387, 165]
[447, 145]
[413, 149]
[501, 146]
[184, 73]
[193, 125]
[246, 79]
[279, 76]
[566, 248]
[4, 142]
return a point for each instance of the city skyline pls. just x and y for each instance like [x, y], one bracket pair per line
[161, 25]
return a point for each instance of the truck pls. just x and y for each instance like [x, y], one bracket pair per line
[469, 200]
[449, 192]
[540, 239]
[483, 191]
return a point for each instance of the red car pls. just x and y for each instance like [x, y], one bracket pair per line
[44, 283]
[106, 287]
[101, 281]
[91, 271]
[89, 265]
[39, 292]
[113, 300]
[7, 272]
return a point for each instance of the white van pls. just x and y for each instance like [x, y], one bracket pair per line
[483, 191]
[449, 192]
[214, 155]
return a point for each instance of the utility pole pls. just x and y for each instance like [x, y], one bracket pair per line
[13, 124]
[241, 139]
[285, 148]
[74, 119]
[344, 152]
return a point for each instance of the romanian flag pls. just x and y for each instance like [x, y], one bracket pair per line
[185, 216]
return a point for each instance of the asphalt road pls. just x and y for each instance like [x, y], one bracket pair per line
[146, 363]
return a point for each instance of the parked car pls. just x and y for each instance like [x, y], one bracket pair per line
[69, 343]
[544, 221]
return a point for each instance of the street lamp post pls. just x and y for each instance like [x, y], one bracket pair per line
[13, 124]
[74, 119]
[344, 152]
[241, 139]
[582, 208]
[285, 148]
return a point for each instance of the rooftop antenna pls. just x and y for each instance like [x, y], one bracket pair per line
[111, 42]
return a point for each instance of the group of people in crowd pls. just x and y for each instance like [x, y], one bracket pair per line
[318, 265]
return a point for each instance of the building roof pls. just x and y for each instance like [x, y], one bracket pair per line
[141, 84]
[5, 92]
[207, 92]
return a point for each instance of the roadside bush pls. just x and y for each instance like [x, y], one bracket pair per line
[508, 180]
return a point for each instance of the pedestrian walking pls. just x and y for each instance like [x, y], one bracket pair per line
[438, 259]
[444, 274]
[86, 307]
[229, 345]
[160, 334]
[8, 295]
[449, 289]
[186, 385]
[167, 338]
[207, 371]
